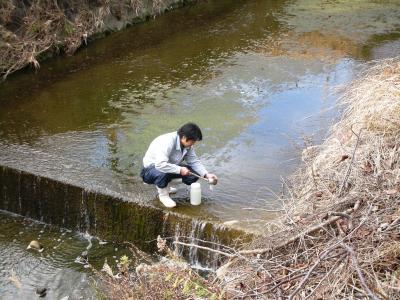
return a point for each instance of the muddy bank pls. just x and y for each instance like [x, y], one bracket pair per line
[33, 30]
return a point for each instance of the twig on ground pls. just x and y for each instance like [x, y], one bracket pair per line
[359, 272]
[304, 280]
[205, 248]
[346, 177]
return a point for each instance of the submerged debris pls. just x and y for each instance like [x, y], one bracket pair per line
[15, 280]
[41, 291]
[35, 245]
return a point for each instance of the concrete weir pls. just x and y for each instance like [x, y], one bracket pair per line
[67, 193]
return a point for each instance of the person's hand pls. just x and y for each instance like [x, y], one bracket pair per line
[212, 178]
[185, 171]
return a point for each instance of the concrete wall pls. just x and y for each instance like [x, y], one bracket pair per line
[27, 188]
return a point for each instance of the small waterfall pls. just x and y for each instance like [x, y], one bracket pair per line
[19, 193]
[178, 249]
[214, 258]
[37, 182]
[84, 224]
[200, 233]
[95, 213]
[194, 237]
[66, 206]
[164, 224]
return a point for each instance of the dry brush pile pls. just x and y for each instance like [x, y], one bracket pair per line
[340, 237]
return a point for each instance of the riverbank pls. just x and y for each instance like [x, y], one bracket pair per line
[342, 207]
[339, 237]
[34, 30]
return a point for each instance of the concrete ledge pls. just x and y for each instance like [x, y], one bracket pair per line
[89, 206]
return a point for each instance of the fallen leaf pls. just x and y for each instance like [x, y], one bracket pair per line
[318, 194]
[343, 224]
[395, 236]
[387, 164]
[363, 231]
[367, 167]
[344, 157]
[392, 191]
[383, 227]
[286, 286]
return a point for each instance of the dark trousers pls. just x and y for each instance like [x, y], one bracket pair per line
[151, 175]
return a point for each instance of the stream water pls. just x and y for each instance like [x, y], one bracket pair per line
[257, 76]
[61, 268]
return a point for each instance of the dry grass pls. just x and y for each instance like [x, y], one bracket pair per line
[29, 30]
[340, 236]
[372, 111]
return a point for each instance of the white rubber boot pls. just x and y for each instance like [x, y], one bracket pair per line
[163, 195]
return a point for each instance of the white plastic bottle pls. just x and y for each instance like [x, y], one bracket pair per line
[195, 193]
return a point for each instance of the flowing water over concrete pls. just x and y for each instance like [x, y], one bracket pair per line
[98, 206]
[257, 76]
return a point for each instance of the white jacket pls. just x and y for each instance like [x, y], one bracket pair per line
[166, 155]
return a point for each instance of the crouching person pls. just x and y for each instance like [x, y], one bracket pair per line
[170, 156]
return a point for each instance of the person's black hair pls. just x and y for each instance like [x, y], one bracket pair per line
[191, 131]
